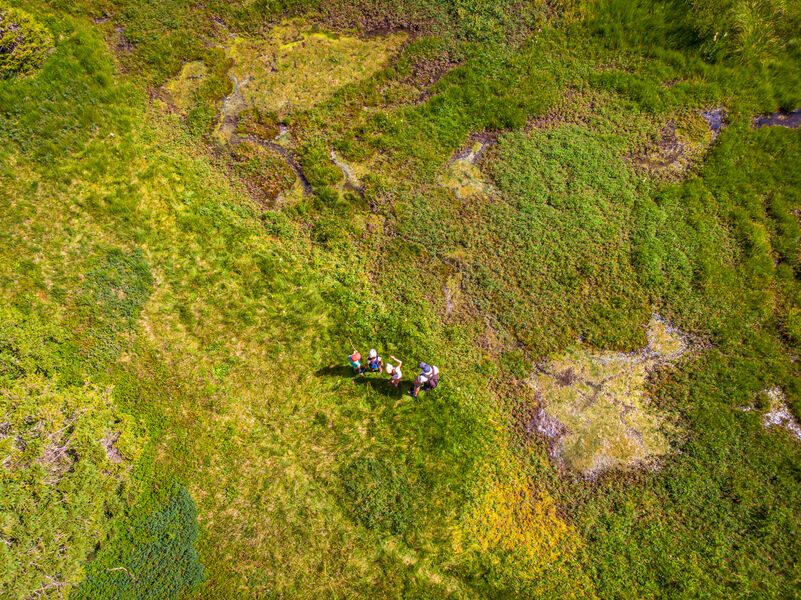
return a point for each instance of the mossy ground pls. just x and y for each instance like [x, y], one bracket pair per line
[293, 68]
[140, 265]
[180, 92]
[602, 404]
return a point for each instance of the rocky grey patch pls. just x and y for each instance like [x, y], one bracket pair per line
[475, 148]
[352, 183]
[112, 453]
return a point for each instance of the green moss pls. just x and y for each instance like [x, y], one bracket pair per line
[24, 42]
[181, 91]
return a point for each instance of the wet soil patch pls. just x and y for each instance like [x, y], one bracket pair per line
[666, 153]
[425, 73]
[681, 143]
[123, 44]
[289, 69]
[715, 118]
[791, 120]
[373, 19]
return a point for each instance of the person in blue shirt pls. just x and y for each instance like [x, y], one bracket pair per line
[374, 363]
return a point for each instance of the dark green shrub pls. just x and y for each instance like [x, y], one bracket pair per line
[156, 557]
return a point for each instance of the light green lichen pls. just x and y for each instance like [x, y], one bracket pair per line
[463, 176]
[180, 92]
[294, 69]
[606, 417]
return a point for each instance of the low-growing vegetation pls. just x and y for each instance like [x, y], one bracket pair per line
[205, 205]
[24, 42]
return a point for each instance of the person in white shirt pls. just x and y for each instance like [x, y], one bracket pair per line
[394, 372]
[427, 380]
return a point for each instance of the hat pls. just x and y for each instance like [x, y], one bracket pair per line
[390, 368]
[373, 353]
[355, 357]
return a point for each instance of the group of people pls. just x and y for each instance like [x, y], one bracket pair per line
[426, 380]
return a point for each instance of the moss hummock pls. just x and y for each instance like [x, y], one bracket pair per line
[602, 402]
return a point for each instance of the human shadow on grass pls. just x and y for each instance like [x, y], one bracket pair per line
[382, 386]
[374, 380]
[335, 371]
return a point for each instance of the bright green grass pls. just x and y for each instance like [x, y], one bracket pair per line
[134, 266]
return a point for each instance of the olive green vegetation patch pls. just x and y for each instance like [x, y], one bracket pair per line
[746, 30]
[605, 418]
[378, 494]
[24, 42]
[267, 174]
[182, 90]
[293, 68]
[109, 303]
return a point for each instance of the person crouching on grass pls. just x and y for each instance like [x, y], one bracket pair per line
[374, 363]
[394, 372]
[355, 359]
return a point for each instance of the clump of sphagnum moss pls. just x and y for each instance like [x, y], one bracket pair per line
[24, 42]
